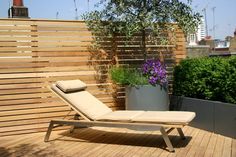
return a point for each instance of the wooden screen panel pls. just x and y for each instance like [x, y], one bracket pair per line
[36, 53]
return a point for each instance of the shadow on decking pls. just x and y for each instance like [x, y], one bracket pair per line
[90, 135]
[32, 150]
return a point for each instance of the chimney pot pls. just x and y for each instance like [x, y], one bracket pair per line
[18, 3]
[18, 10]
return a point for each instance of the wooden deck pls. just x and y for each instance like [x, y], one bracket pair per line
[113, 142]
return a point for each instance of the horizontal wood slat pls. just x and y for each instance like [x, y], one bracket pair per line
[36, 53]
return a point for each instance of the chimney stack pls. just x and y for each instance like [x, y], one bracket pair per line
[18, 10]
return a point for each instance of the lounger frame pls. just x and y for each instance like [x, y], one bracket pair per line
[86, 122]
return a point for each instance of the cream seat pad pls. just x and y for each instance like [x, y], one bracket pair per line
[173, 117]
[119, 116]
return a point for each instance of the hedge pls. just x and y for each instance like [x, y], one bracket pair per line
[206, 78]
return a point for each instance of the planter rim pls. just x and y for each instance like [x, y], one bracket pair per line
[144, 85]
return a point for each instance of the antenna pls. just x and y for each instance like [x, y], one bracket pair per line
[9, 2]
[205, 17]
[214, 26]
[57, 14]
[88, 6]
[76, 10]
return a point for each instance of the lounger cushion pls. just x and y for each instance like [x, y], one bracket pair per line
[171, 117]
[71, 85]
[84, 103]
[119, 116]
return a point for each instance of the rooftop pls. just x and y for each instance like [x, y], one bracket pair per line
[37, 53]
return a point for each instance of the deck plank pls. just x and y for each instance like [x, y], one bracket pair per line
[176, 140]
[121, 143]
[142, 150]
[82, 140]
[196, 143]
[68, 142]
[182, 151]
[98, 143]
[152, 143]
[234, 147]
[112, 143]
[219, 146]
[111, 148]
[227, 147]
[200, 151]
[211, 146]
[116, 142]
[140, 142]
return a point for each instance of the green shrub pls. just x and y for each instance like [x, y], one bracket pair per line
[206, 78]
[128, 76]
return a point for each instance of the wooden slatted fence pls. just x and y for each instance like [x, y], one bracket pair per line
[36, 53]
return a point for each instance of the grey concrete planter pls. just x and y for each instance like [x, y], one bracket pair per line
[147, 97]
[213, 116]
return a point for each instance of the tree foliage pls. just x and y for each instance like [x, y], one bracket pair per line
[137, 16]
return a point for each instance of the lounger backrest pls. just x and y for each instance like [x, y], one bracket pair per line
[83, 102]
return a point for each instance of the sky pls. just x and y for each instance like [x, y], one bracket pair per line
[225, 12]
[225, 16]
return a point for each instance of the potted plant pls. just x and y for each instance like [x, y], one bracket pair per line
[154, 21]
[146, 87]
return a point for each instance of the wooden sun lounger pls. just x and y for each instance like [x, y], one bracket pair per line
[106, 122]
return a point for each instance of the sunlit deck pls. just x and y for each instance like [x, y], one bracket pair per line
[118, 142]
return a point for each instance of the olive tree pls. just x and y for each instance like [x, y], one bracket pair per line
[139, 16]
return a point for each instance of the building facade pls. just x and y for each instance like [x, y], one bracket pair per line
[200, 34]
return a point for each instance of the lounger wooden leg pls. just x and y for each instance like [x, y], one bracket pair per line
[180, 131]
[166, 139]
[50, 127]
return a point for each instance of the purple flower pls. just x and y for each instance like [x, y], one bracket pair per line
[155, 71]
